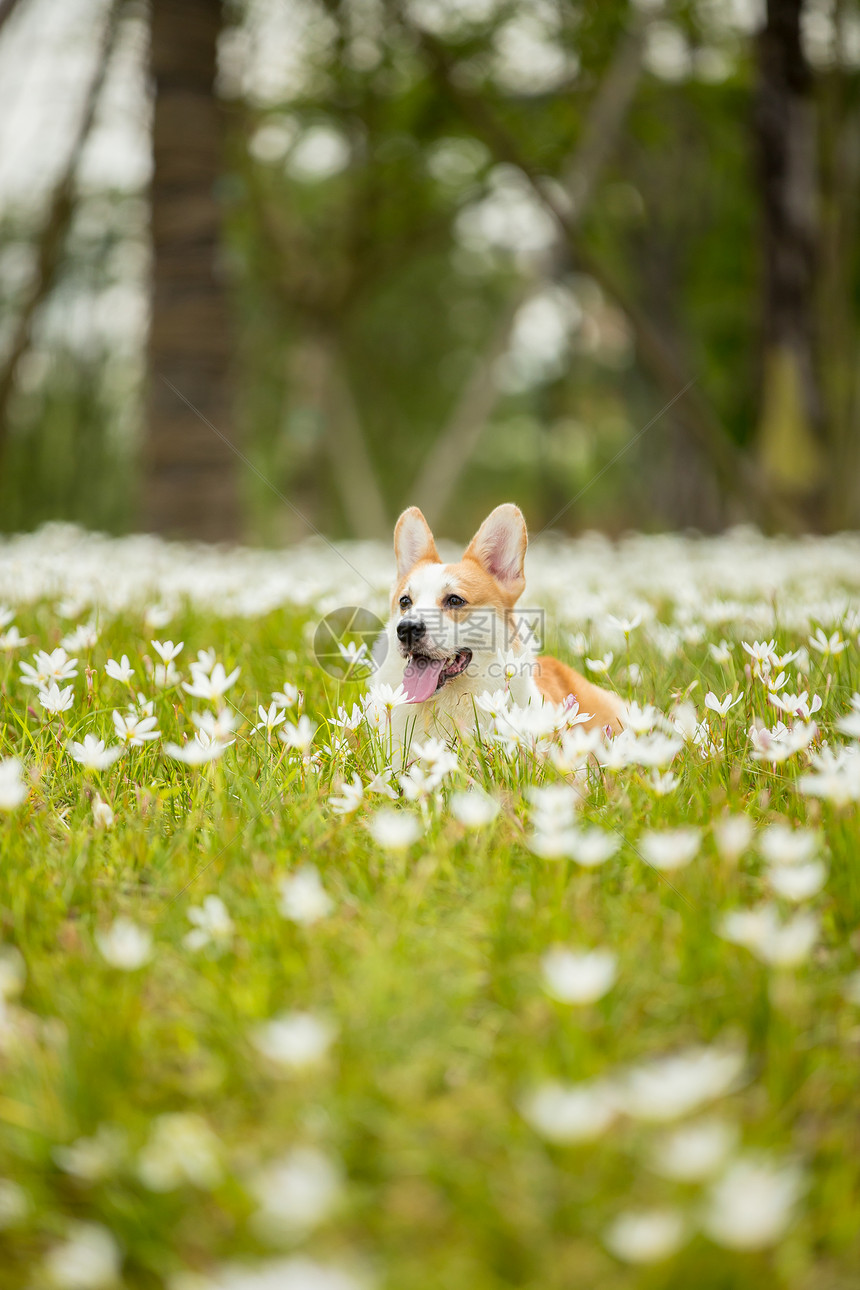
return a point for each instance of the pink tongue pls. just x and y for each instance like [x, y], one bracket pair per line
[420, 677]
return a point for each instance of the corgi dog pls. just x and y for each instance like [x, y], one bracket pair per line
[453, 633]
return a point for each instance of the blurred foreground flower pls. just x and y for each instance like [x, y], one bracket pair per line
[103, 816]
[694, 1151]
[181, 1149]
[303, 897]
[752, 1204]
[295, 1041]
[569, 1112]
[296, 1193]
[670, 849]
[646, 1236]
[295, 1273]
[13, 790]
[578, 977]
[212, 925]
[780, 944]
[668, 1088]
[89, 1259]
[394, 830]
[474, 810]
[93, 754]
[125, 945]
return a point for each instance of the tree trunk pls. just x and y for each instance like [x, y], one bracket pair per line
[791, 408]
[190, 486]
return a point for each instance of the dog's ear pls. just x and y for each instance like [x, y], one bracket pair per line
[413, 541]
[499, 547]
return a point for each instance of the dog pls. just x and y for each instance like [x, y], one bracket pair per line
[453, 634]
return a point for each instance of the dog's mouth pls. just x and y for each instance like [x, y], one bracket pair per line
[425, 676]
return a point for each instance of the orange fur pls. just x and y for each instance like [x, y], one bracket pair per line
[556, 681]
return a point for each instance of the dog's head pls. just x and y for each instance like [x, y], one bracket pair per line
[444, 616]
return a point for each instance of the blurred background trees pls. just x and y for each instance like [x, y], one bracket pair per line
[354, 254]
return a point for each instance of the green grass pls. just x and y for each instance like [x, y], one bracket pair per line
[428, 966]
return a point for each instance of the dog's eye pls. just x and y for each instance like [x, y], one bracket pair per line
[405, 602]
[454, 602]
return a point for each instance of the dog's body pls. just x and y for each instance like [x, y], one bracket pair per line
[453, 633]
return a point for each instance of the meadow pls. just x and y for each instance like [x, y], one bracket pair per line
[540, 1009]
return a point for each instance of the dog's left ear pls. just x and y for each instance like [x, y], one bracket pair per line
[413, 541]
[499, 546]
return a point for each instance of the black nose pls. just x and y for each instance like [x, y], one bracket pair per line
[410, 630]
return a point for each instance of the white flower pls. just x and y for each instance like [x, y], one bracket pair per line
[287, 697]
[661, 784]
[569, 1112]
[721, 653]
[494, 704]
[134, 730]
[84, 637]
[827, 645]
[212, 925]
[418, 783]
[474, 809]
[796, 705]
[721, 706]
[167, 651]
[552, 845]
[92, 1159]
[836, 776]
[299, 734]
[13, 790]
[381, 784]
[121, 671]
[125, 945]
[351, 797]
[600, 665]
[212, 685]
[88, 1259]
[49, 668]
[199, 751]
[646, 1236]
[102, 814]
[181, 1149]
[296, 1193]
[751, 1206]
[270, 717]
[578, 976]
[778, 944]
[780, 844]
[782, 742]
[798, 882]
[164, 676]
[670, 849]
[590, 847]
[733, 834]
[295, 1041]
[394, 830]
[56, 700]
[668, 1088]
[205, 661]
[12, 640]
[695, 1151]
[386, 698]
[93, 754]
[304, 899]
[217, 726]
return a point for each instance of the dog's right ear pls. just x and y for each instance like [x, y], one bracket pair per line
[413, 541]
